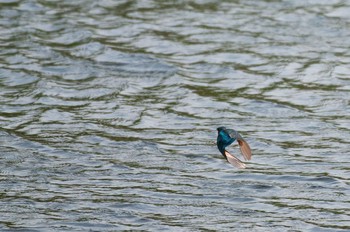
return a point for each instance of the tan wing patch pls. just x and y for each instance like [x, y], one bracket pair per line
[245, 149]
[234, 160]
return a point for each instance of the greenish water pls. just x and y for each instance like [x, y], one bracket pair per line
[109, 110]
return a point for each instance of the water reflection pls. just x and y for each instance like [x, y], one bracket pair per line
[109, 112]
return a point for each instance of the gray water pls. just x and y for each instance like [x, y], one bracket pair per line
[109, 110]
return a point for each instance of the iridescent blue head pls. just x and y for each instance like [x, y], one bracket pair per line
[224, 139]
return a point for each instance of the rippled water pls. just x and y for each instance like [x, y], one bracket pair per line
[109, 112]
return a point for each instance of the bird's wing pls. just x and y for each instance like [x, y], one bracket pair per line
[245, 149]
[244, 146]
[232, 133]
[234, 160]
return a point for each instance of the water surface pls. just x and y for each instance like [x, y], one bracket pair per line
[109, 110]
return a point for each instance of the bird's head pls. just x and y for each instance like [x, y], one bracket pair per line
[221, 128]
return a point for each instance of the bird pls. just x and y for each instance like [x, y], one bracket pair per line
[225, 138]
